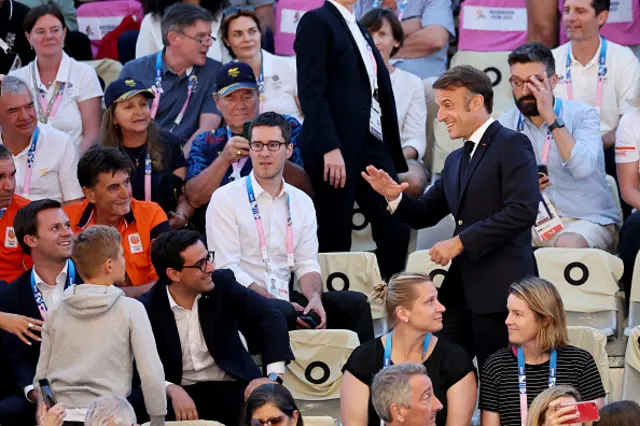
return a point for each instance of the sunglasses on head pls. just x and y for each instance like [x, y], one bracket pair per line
[272, 421]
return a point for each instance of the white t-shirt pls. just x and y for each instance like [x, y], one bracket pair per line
[408, 90]
[55, 167]
[81, 84]
[150, 39]
[628, 138]
[280, 86]
[620, 84]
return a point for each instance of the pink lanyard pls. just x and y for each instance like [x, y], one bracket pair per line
[31, 156]
[602, 72]
[157, 89]
[261, 236]
[47, 110]
[147, 177]
[544, 155]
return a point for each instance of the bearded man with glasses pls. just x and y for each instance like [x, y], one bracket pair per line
[197, 314]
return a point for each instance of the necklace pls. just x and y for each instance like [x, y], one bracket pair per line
[132, 155]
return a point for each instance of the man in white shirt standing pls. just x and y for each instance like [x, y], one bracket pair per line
[596, 71]
[46, 159]
[44, 232]
[196, 314]
[265, 231]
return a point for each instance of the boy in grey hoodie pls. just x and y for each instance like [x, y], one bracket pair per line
[90, 340]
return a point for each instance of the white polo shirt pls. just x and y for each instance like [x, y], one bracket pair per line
[628, 138]
[620, 83]
[280, 86]
[81, 84]
[55, 168]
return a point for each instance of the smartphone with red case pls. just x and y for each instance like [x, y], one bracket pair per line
[588, 410]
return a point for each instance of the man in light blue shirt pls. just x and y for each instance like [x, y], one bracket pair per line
[428, 26]
[566, 139]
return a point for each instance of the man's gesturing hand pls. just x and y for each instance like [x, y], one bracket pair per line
[382, 183]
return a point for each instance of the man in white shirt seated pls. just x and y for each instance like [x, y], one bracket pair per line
[46, 159]
[577, 209]
[595, 70]
[265, 231]
[196, 315]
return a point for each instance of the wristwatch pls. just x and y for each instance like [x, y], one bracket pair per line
[274, 377]
[557, 124]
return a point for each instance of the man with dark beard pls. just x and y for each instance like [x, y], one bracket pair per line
[577, 209]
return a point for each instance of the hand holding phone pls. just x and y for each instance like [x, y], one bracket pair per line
[542, 171]
[47, 393]
[246, 130]
[587, 412]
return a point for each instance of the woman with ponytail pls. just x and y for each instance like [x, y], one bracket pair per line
[413, 314]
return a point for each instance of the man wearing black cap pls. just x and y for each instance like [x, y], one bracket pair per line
[220, 156]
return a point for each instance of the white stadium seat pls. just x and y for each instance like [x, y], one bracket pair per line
[587, 280]
[316, 372]
[631, 380]
[594, 342]
[634, 303]
[420, 261]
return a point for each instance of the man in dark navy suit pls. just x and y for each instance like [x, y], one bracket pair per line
[350, 122]
[491, 188]
[196, 315]
[43, 231]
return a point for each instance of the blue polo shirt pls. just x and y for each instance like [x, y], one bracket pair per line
[175, 92]
[430, 12]
[579, 188]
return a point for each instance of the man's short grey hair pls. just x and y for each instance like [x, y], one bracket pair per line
[110, 411]
[391, 386]
[180, 16]
[13, 85]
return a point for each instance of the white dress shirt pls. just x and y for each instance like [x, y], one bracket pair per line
[619, 87]
[54, 170]
[365, 53]
[81, 84]
[411, 105]
[232, 233]
[52, 295]
[198, 364]
[475, 138]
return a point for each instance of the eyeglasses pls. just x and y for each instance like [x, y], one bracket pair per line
[272, 146]
[273, 421]
[202, 263]
[518, 83]
[205, 40]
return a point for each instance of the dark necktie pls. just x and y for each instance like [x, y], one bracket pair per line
[466, 157]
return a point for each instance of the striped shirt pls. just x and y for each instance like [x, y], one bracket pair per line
[499, 381]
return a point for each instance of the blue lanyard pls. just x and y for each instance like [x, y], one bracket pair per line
[602, 61]
[37, 294]
[2, 212]
[387, 348]
[158, 82]
[522, 380]
[557, 109]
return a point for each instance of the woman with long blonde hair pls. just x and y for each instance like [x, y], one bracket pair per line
[414, 313]
[538, 357]
[553, 407]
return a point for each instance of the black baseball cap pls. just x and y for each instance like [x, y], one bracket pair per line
[234, 76]
[125, 88]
